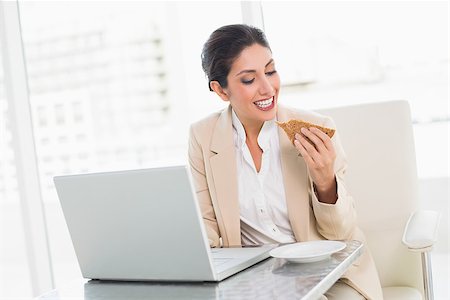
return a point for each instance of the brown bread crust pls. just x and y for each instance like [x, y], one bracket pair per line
[292, 127]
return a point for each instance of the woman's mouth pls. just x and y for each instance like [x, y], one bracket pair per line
[266, 104]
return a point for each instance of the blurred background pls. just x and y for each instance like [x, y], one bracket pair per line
[94, 86]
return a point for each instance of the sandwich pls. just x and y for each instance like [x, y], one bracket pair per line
[292, 127]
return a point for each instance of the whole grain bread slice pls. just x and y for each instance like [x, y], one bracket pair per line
[292, 127]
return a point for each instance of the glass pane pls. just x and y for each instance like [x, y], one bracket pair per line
[113, 85]
[15, 280]
[343, 53]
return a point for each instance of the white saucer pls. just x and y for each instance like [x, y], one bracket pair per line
[305, 252]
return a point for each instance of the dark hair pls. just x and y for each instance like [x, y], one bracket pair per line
[224, 45]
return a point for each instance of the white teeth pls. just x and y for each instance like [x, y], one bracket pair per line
[264, 103]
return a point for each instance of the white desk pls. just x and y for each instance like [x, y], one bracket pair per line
[269, 279]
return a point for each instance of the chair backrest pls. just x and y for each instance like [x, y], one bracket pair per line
[382, 177]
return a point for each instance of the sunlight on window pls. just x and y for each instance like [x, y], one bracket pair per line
[350, 41]
[343, 53]
[113, 85]
[13, 258]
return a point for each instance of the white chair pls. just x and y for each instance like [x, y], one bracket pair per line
[382, 177]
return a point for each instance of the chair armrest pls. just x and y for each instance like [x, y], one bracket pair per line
[421, 230]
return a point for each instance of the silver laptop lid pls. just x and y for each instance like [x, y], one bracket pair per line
[122, 230]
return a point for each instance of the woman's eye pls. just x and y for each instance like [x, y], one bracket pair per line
[248, 81]
[271, 73]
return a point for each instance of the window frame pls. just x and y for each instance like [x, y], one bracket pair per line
[19, 117]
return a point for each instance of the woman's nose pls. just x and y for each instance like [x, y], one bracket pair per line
[266, 87]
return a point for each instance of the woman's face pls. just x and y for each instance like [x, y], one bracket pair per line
[253, 86]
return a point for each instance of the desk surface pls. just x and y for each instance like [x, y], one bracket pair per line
[270, 279]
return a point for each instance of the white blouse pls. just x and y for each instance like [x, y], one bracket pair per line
[262, 200]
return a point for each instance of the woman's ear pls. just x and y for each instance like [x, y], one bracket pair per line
[217, 88]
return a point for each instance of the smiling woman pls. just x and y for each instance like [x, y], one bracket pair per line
[252, 90]
[251, 184]
[251, 87]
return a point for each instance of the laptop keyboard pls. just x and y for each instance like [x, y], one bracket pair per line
[220, 256]
[229, 257]
[220, 261]
[216, 250]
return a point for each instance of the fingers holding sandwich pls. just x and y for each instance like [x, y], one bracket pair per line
[324, 137]
[314, 144]
[315, 139]
[319, 155]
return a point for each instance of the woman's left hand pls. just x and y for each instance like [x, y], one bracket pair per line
[319, 157]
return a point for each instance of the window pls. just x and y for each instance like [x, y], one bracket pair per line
[113, 85]
[341, 53]
[14, 273]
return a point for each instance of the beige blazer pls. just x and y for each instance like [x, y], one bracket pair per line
[213, 165]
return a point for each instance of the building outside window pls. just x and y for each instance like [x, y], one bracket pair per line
[112, 86]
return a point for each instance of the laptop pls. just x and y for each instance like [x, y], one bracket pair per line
[145, 225]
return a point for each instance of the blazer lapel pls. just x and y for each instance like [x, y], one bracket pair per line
[223, 167]
[296, 183]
